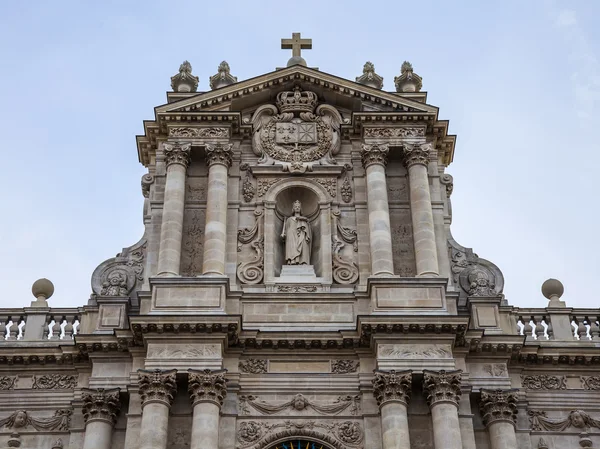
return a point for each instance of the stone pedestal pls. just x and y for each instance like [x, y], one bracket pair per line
[100, 410]
[291, 274]
[157, 391]
[442, 389]
[374, 159]
[207, 390]
[416, 160]
[392, 390]
[218, 158]
[177, 157]
[499, 410]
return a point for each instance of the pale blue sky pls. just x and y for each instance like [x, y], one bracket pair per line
[518, 80]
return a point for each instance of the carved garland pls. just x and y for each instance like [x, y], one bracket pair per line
[20, 419]
[248, 189]
[544, 382]
[54, 381]
[576, 418]
[199, 132]
[299, 403]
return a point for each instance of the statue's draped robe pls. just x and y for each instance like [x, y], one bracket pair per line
[298, 238]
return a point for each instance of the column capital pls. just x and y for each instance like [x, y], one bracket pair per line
[177, 153]
[499, 405]
[417, 154]
[207, 386]
[219, 153]
[376, 153]
[101, 405]
[392, 386]
[442, 386]
[157, 386]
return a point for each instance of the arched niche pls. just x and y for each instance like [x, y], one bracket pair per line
[316, 206]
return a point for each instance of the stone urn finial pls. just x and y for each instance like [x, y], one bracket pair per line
[223, 77]
[553, 289]
[408, 81]
[184, 81]
[369, 77]
[42, 289]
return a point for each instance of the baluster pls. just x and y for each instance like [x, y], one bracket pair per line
[55, 329]
[575, 328]
[2, 330]
[549, 330]
[582, 329]
[594, 328]
[11, 326]
[21, 328]
[520, 326]
[47, 326]
[68, 331]
[540, 330]
[75, 326]
[528, 329]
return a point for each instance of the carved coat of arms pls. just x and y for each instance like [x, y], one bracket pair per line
[296, 134]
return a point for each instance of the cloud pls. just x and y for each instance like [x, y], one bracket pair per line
[566, 18]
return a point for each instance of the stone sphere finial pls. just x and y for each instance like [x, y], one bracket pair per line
[553, 289]
[296, 60]
[42, 289]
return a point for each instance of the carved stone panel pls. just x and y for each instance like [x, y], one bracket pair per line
[402, 242]
[192, 248]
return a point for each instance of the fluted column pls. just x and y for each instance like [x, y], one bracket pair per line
[374, 159]
[218, 158]
[416, 158]
[442, 390]
[157, 391]
[499, 410]
[207, 390]
[177, 157]
[100, 411]
[392, 390]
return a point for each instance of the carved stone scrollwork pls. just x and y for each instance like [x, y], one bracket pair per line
[442, 386]
[253, 366]
[344, 271]
[395, 133]
[499, 405]
[448, 181]
[248, 189]
[330, 184]
[219, 154]
[392, 386]
[576, 418]
[199, 132]
[157, 386]
[344, 366]
[346, 189]
[147, 181]
[101, 405]
[544, 382]
[251, 272]
[177, 153]
[54, 382]
[207, 386]
[21, 419]
[590, 382]
[264, 185]
[375, 154]
[472, 275]
[8, 382]
[417, 154]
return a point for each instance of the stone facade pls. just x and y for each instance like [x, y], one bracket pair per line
[380, 331]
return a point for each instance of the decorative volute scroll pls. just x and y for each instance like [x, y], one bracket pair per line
[442, 386]
[157, 386]
[416, 154]
[296, 134]
[472, 275]
[101, 405]
[251, 272]
[123, 274]
[375, 154]
[207, 386]
[219, 154]
[177, 153]
[392, 386]
[499, 405]
[344, 271]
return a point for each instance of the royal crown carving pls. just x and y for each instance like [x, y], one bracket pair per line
[296, 134]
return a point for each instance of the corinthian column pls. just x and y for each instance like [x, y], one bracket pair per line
[100, 411]
[177, 157]
[499, 410]
[392, 390]
[374, 159]
[218, 158]
[157, 391]
[416, 159]
[442, 389]
[207, 390]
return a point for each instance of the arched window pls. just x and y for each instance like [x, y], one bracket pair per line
[299, 443]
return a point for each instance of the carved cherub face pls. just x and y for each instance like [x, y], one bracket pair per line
[577, 419]
[299, 402]
[20, 419]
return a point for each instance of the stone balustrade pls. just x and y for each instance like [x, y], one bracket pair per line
[57, 324]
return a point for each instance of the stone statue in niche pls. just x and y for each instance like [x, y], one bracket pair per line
[297, 235]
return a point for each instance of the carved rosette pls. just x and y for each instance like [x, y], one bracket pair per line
[442, 386]
[499, 405]
[392, 386]
[416, 154]
[219, 154]
[157, 386]
[207, 386]
[375, 154]
[177, 153]
[101, 405]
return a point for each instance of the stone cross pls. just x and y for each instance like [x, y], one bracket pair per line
[296, 43]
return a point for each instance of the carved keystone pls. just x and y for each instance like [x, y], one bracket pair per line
[207, 386]
[392, 386]
[499, 405]
[101, 405]
[442, 386]
[157, 386]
